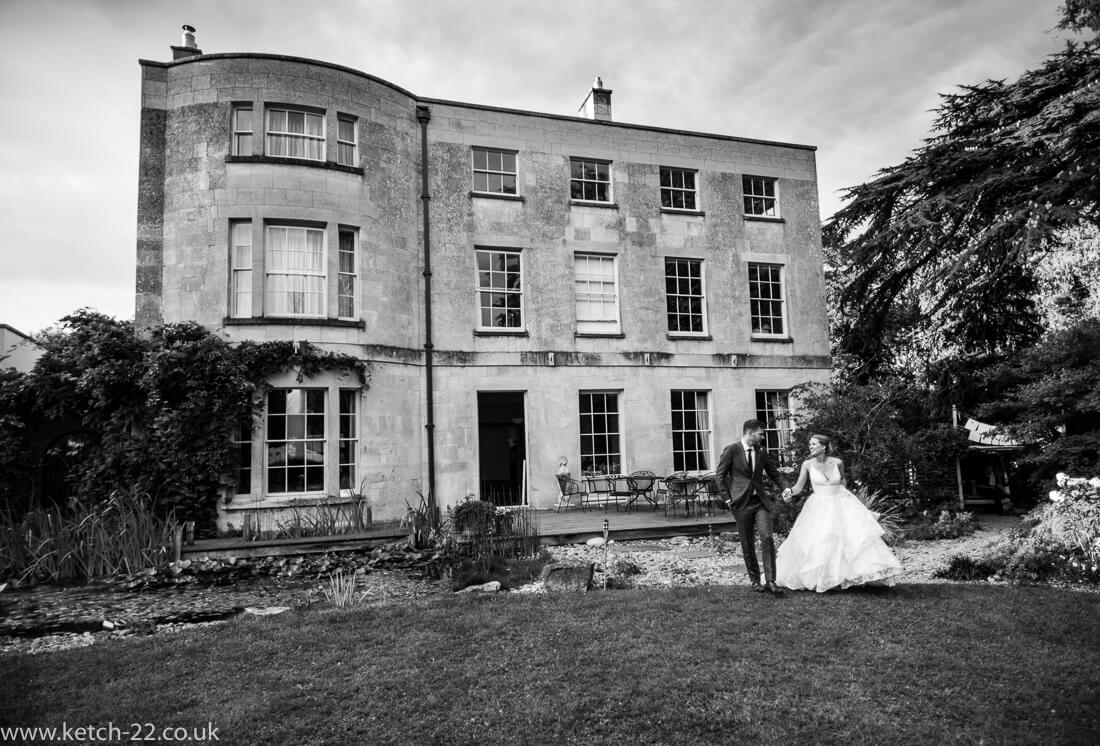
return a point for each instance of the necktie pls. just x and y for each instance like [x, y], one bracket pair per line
[752, 461]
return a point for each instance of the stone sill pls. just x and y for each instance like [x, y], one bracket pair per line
[330, 165]
[586, 203]
[500, 333]
[679, 211]
[292, 321]
[494, 195]
[689, 337]
[764, 219]
[773, 340]
[604, 335]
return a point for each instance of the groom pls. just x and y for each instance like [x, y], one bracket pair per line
[740, 480]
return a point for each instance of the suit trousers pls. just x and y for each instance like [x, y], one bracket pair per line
[752, 521]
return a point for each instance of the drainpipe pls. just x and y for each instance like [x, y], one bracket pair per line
[423, 116]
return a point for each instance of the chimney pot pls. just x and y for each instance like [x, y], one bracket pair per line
[187, 47]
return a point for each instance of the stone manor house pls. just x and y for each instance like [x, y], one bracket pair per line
[523, 286]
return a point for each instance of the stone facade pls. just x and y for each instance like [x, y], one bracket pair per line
[17, 350]
[506, 399]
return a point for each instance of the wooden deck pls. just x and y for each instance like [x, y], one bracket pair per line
[567, 527]
[576, 527]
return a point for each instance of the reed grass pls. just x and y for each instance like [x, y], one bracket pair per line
[88, 541]
[340, 589]
[887, 511]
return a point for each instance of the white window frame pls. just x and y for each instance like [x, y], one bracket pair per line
[591, 288]
[282, 139]
[669, 296]
[347, 278]
[702, 455]
[758, 202]
[490, 173]
[591, 456]
[758, 301]
[484, 292]
[342, 144]
[347, 440]
[776, 419]
[672, 189]
[243, 445]
[240, 269]
[294, 271]
[291, 445]
[242, 135]
[584, 181]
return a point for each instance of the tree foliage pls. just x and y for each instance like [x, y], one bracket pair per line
[946, 242]
[883, 433]
[158, 411]
[1052, 401]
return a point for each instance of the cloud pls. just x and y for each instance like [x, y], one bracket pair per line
[856, 78]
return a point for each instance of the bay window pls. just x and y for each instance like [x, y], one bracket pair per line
[295, 133]
[295, 271]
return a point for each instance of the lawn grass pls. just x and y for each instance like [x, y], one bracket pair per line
[912, 664]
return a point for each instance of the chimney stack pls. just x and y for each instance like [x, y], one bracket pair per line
[187, 46]
[597, 104]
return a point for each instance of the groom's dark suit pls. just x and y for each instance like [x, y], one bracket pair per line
[752, 507]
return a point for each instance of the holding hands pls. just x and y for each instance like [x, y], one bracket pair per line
[787, 494]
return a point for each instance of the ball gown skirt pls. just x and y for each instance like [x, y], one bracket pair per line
[836, 542]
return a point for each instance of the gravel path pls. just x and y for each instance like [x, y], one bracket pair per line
[678, 561]
[717, 561]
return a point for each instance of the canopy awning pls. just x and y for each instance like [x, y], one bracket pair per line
[985, 437]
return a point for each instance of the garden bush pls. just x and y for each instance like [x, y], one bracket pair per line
[946, 524]
[1059, 540]
[157, 411]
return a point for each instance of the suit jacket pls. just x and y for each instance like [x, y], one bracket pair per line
[738, 484]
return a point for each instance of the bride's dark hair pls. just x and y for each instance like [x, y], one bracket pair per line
[825, 440]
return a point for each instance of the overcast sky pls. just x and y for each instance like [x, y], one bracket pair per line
[856, 78]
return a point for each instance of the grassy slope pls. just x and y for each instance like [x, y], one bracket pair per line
[914, 664]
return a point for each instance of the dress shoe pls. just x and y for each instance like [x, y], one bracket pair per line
[772, 588]
[758, 588]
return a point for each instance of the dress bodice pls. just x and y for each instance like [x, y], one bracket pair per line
[826, 477]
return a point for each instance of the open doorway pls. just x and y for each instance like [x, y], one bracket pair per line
[502, 445]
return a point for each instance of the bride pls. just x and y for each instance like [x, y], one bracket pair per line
[836, 541]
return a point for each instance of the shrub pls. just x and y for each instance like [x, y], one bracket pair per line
[1059, 540]
[960, 567]
[472, 516]
[947, 525]
[487, 543]
[157, 411]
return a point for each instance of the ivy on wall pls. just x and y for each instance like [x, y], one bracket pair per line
[156, 412]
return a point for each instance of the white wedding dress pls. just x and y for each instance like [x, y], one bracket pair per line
[836, 541]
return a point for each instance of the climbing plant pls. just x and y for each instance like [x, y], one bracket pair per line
[159, 409]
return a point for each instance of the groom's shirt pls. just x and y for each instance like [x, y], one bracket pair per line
[753, 500]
